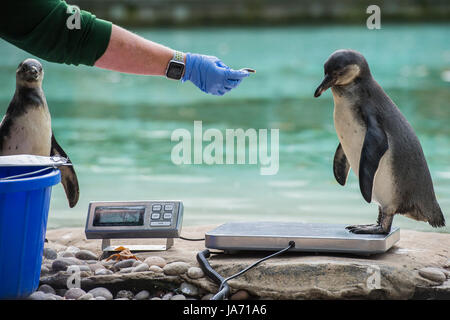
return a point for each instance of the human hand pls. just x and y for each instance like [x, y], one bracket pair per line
[210, 75]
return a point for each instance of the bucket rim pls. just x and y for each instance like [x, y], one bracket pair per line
[31, 183]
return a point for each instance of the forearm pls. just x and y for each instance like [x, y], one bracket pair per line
[130, 53]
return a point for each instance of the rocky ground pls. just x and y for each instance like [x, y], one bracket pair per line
[418, 267]
[58, 267]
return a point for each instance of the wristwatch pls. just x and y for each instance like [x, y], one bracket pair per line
[175, 68]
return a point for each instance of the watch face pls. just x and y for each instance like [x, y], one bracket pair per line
[175, 70]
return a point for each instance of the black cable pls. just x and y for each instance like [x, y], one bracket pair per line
[190, 239]
[224, 289]
[291, 245]
[212, 274]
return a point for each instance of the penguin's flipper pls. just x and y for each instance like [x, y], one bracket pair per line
[341, 167]
[68, 176]
[374, 146]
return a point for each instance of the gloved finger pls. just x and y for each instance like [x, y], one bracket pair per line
[221, 92]
[237, 74]
[232, 83]
[222, 65]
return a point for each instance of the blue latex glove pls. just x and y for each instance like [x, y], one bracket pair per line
[210, 75]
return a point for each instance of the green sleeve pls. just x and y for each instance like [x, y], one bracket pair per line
[39, 27]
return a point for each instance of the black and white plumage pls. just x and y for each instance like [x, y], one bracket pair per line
[26, 127]
[379, 144]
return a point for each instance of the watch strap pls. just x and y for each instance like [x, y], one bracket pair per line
[178, 56]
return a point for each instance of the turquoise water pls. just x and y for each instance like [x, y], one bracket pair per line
[116, 127]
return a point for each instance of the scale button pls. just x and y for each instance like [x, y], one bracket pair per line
[168, 207]
[156, 215]
[160, 223]
[156, 207]
[167, 216]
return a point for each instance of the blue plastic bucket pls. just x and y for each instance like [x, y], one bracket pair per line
[24, 204]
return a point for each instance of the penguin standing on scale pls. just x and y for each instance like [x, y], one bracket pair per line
[26, 127]
[379, 144]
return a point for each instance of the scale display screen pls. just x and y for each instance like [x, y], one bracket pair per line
[119, 216]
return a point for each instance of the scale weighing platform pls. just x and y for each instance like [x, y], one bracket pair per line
[308, 237]
[108, 220]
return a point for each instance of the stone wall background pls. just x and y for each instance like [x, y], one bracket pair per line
[146, 13]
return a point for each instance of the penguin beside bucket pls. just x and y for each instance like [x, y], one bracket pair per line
[26, 127]
[378, 144]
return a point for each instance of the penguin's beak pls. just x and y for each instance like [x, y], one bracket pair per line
[327, 82]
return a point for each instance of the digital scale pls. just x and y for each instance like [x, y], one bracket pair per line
[163, 219]
[108, 220]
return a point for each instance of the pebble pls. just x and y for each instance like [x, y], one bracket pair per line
[121, 299]
[176, 268]
[44, 270]
[87, 296]
[155, 269]
[189, 289]
[60, 265]
[207, 296]
[38, 295]
[50, 254]
[108, 263]
[136, 263]
[96, 266]
[80, 268]
[67, 254]
[178, 297]
[102, 272]
[74, 261]
[100, 298]
[124, 264]
[447, 273]
[72, 249]
[240, 295]
[74, 293]
[46, 289]
[142, 295]
[55, 296]
[155, 261]
[101, 292]
[167, 296]
[140, 268]
[85, 255]
[195, 273]
[125, 294]
[433, 274]
[156, 298]
[126, 270]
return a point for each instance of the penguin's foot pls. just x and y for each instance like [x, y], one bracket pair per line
[367, 229]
